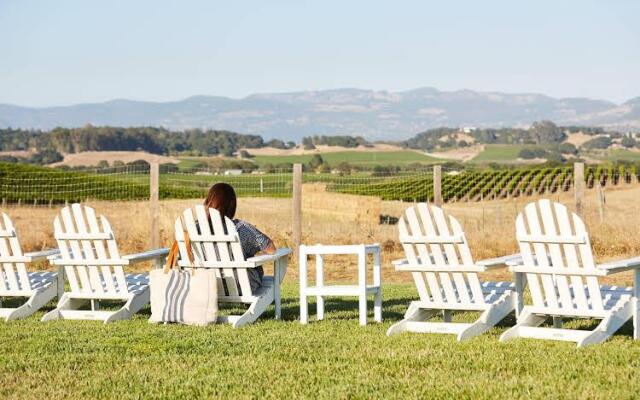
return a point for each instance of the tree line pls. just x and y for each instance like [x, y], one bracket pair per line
[540, 133]
[310, 142]
[195, 142]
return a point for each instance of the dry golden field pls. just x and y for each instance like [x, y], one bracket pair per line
[489, 225]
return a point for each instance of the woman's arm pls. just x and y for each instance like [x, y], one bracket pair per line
[271, 247]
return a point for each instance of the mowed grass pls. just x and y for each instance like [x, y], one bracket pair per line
[621, 155]
[498, 153]
[334, 358]
[370, 158]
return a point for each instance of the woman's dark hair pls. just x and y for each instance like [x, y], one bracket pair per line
[222, 197]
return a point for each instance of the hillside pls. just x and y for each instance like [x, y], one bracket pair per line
[371, 114]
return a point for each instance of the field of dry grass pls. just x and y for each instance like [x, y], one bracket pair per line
[92, 158]
[489, 227]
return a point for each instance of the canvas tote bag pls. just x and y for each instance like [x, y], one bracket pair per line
[186, 297]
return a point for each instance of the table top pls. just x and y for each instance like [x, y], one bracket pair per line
[340, 249]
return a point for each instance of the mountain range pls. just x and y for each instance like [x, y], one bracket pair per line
[375, 115]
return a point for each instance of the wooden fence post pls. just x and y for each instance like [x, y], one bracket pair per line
[297, 207]
[601, 201]
[437, 185]
[154, 183]
[578, 185]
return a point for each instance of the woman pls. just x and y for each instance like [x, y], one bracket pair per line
[222, 197]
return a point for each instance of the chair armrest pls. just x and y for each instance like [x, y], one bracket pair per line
[620, 265]
[43, 255]
[146, 255]
[265, 258]
[512, 259]
[399, 262]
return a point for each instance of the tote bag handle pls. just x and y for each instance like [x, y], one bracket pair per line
[174, 253]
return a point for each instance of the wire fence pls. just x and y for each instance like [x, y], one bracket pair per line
[25, 185]
[35, 186]
[196, 183]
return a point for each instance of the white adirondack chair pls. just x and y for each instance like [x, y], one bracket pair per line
[446, 277]
[562, 278]
[93, 267]
[215, 244]
[16, 281]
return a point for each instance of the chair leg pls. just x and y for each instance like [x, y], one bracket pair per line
[255, 310]
[526, 319]
[65, 303]
[132, 306]
[618, 316]
[377, 306]
[413, 314]
[489, 318]
[35, 302]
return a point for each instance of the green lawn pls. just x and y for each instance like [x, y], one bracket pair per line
[370, 158]
[334, 358]
[498, 153]
[621, 155]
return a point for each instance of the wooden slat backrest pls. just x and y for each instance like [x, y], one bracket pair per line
[549, 237]
[431, 238]
[88, 246]
[214, 241]
[14, 270]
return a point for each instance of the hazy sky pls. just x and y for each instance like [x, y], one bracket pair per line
[64, 52]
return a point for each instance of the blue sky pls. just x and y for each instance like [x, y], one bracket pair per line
[65, 52]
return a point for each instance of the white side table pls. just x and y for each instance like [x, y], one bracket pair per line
[361, 290]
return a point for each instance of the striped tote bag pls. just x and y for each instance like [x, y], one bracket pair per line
[186, 297]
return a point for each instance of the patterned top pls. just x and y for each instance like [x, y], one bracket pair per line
[251, 239]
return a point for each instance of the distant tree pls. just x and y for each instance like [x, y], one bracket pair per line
[44, 157]
[545, 132]
[291, 145]
[600, 142]
[463, 143]
[268, 168]
[8, 159]
[103, 164]
[567, 148]
[554, 157]
[139, 165]
[276, 143]
[344, 168]
[307, 143]
[628, 142]
[381, 170]
[315, 162]
[245, 154]
[531, 153]
[168, 168]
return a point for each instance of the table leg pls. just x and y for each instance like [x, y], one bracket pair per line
[159, 262]
[60, 282]
[277, 273]
[304, 312]
[362, 282]
[519, 294]
[636, 304]
[320, 283]
[377, 282]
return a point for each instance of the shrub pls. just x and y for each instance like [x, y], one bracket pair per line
[567, 148]
[601, 142]
[531, 153]
[628, 142]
